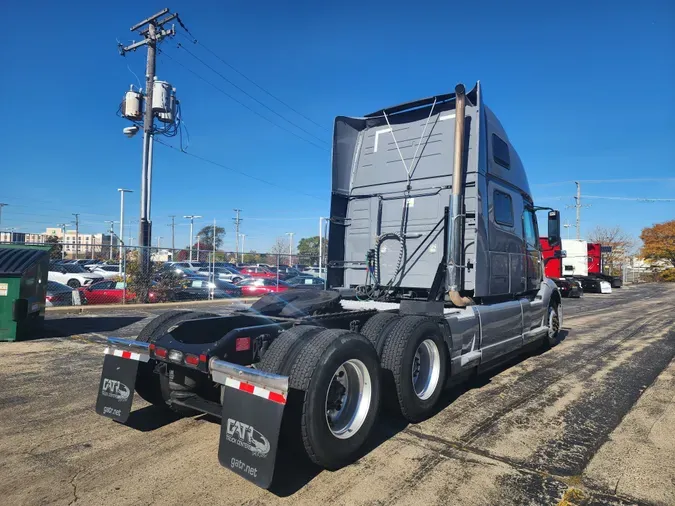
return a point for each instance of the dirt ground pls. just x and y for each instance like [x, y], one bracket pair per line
[590, 422]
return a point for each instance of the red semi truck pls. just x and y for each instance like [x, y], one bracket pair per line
[553, 269]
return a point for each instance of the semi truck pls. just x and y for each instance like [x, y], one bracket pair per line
[434, 272]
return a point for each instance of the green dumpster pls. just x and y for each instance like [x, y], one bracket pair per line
[23, 287]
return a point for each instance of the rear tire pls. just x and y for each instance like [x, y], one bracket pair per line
[377, 328]
[281, 355]
[74, 283]
[338, 373]
[414, 358]
[152, 387]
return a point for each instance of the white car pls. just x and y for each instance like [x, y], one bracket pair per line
[72, 275]
[224, 273]
[315, 271]
[107, 271]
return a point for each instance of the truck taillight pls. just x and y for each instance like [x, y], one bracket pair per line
[242, 344]
[160, 352]
[192, 360]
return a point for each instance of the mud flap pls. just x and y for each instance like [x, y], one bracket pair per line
[118, 377]
[116, 390]
[253, 406]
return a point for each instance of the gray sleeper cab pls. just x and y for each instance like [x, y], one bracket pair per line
[392, 179]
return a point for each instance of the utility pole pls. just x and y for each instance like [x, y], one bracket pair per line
[159, 244]
[154, 33]
[577, 205]
[122, 192]
[290, 248]
[77, 235]
[243, 240]
[62, 226]
[173, 233]
[237, 220]
[191, 217]
[112, 231]
[1, 206]
[567, 227]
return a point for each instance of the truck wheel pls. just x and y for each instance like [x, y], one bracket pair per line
[553, 322]
[148, 384]
[73, 283]
[415, 358]
[377, 328]
[339, 374]
[281, 355]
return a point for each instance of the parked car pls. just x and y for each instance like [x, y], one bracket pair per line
[261, 286]
[182, 272]
[73, 275]
[59, 294]
[258, 272]
[306, 282]
[106, 271]
[315, 271]
[113, 292]
[568, 287]
[225, 273]
[285, 271]
[201, 289]
[189, 265]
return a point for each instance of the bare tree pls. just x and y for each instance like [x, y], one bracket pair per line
[621, 243]
[280, 246]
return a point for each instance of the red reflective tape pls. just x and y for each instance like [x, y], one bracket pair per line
[275, 397]
[246, 387]
[126, 354]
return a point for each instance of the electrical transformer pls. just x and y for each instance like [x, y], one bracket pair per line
[170, 115]
[161, 93]
[132, 107]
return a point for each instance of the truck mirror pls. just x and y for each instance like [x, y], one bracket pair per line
[554, 228]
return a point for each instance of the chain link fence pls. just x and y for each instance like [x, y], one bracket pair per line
[113, 274]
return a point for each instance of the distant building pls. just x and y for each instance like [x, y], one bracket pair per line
[89, 244]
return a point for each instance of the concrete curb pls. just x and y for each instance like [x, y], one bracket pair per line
[141, 307]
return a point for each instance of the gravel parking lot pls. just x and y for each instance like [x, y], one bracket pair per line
[588, 422]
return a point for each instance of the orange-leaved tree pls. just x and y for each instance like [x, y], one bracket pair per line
[659, 242]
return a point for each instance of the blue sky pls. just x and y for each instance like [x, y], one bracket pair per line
[584, 90]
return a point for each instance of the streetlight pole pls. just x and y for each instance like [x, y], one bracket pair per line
[1, 206]
[290, 248]
[243, 238]
[191, 217]
[121, 252]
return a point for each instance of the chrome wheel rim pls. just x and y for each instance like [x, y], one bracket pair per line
[348, 399]
[553, 323]
[426, 369]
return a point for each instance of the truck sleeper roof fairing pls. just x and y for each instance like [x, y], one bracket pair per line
[396, 165]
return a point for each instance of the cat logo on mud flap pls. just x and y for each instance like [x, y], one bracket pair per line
[115, 389]
[246, 436]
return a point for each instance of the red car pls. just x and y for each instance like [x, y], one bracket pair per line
[261, 286]
[110, 292]
[258, 272]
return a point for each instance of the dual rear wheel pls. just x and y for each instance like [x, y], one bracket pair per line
[413, 359]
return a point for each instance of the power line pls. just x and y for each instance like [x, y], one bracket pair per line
[180, 46]
[597, 181]
[637, 199]
[323, 148]
[206, 160]
[195, 41]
